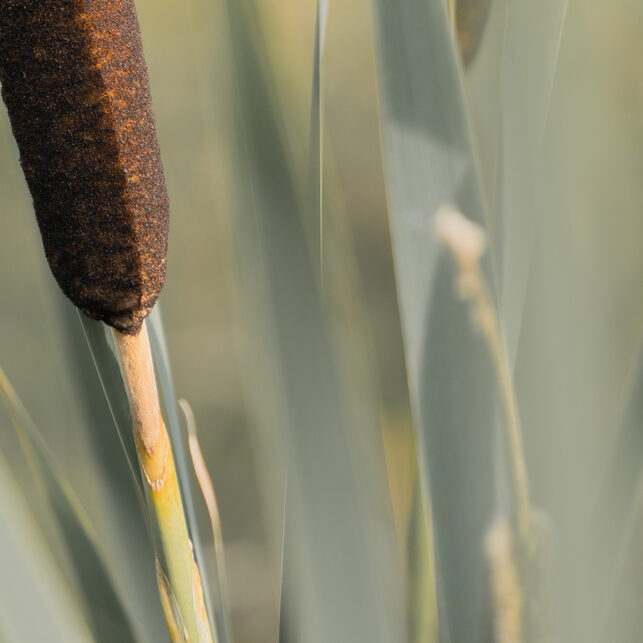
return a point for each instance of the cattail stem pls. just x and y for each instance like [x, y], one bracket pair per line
[490, 326]
[174, 548]
[467, 242]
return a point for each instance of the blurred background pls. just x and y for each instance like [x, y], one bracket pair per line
[187, 46]
[581, 334]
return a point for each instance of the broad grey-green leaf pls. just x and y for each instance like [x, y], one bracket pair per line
[35, 602]
[346, 583]
[288, 621]
[185, 474]
[612, 543]
[429, 161]
[509, 92]
[100, 344]
[117, 514]
[105, 612]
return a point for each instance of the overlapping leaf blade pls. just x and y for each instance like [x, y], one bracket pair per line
[105, 612]
[185, 474]
[98, 336]
[509, 89]
[119, 514]
[345, 572]
[288, 621]
[35, 602]
[429, 161]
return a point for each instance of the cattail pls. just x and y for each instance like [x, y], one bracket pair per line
[75, 83]
[76, 87]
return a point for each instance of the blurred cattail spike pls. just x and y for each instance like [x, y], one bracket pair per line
[518, 547]
[467, 242]
[76, 87]
[521, 583]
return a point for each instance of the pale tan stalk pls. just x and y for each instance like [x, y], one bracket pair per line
[174, 549]
[467, 242]
[207, 489]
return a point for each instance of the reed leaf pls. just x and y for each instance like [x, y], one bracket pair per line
[345, 575]
[429, 161]
[509, 90]
[615, 524]
[105, 612]
[185, 475]
[288, 620]
[36, 604]
[164, 514]
[102, 351]
[316, 133]
[118, 514]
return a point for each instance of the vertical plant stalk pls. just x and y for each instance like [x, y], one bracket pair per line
[467, 242]
[517, 548]
[76, 86]
[316, 133]
[210, 498]
[162, 490]
[452, 16]
[489, 324]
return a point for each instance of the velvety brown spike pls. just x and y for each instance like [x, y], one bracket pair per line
[76, 87]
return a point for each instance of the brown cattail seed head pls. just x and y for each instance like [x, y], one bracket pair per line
[76, 87]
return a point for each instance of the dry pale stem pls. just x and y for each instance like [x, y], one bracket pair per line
[207, 489]
[150, 435]
[183, 585]
[173, 618]
[466, 241]
[490, 325]
[507, 593]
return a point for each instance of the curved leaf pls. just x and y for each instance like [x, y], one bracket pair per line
[105, 612]
[429, 161]
[35, 602]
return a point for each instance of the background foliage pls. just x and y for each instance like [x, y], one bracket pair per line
[292, 377]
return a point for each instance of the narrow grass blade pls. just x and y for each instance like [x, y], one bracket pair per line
[429, 161]
[105, 612]
[345, 575]
[316, 136]
[173, 617]
[167, 549]
[169, 528]
[207, 490]
[182, 463]
[102, 350]
[423, 617]
[117, 514]
[35, 602]
[289, 606]
[288, 610]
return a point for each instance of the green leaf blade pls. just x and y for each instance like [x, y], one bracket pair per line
[429, 161]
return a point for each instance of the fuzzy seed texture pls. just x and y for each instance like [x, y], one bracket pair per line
[76, 88]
